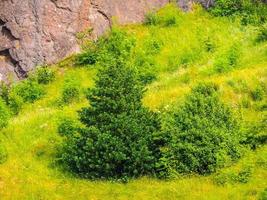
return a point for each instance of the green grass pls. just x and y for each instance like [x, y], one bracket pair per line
[31, 138]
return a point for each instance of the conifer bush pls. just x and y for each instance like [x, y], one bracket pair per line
[204, 134]
[117, 142]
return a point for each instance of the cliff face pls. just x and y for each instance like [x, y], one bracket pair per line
[34, 32]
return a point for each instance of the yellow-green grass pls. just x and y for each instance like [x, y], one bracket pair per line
[31, 138]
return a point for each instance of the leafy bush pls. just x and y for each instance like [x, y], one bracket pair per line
[86, 58]
[256, 134]
[117, 142]
[151, 18]
[262, 35]
[203, 134]
[15, 102]
[29, 90]
[45, 75]
[71, 90]
[4, 114]
[250, 11]
[67, 126]
[227, 61]
[3, 154]
[257, 94]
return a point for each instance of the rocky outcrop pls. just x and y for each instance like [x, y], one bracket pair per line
[34, 32]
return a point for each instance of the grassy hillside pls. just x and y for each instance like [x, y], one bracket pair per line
[181, 49]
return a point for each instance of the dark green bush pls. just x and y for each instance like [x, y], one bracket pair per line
[118, 141]
[228, 60]
[67, 126]
[250, 11]
[15, 102]
[71, 90]
[88, 57]
[45, 75]
[151, 18]
[3, 154]
[256, 135]
[204, 134]
[262, 35]
[257, 94]
[4, 114]
[29, 90]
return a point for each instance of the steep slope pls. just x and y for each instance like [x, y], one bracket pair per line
[185, 53]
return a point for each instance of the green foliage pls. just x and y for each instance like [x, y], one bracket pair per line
[71, 90]
[256, 135]
[250, 11]
[257, 94]
[88, 57]
[263, 195]
[44, 75]
[29, 90]
[203, 134]
[4, 114]
[67, 126]
[15, 102]
[3, 154]
[241, 176]
[118, 140]
[262, 35]
[151, 19]
[228, 60]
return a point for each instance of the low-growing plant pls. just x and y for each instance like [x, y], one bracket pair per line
[262, 35]
[45, 75]
[204, 133]
[67, 126]
[71, 90]
[256, 135]
[15, 102]
[257, 94]
[3, 154]
[151, 18]
[29, 90]
[4, 114]
[228, 60]
[87, 58]
[250, 11]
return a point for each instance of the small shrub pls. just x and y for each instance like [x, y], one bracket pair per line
[170, 21]
[256, 134]
[15, 102]
[153, 46]
[3, 154]
[228, 61]
[45, 75]
[244, 175]
[151, 18]
[4, 90]
[71, 90]
[67, 126]
[262, 35]
[204, 133]
[29, 90]
[249, 11]
[4, 114]
[257, 94]
[86, 58]
[263, 194]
